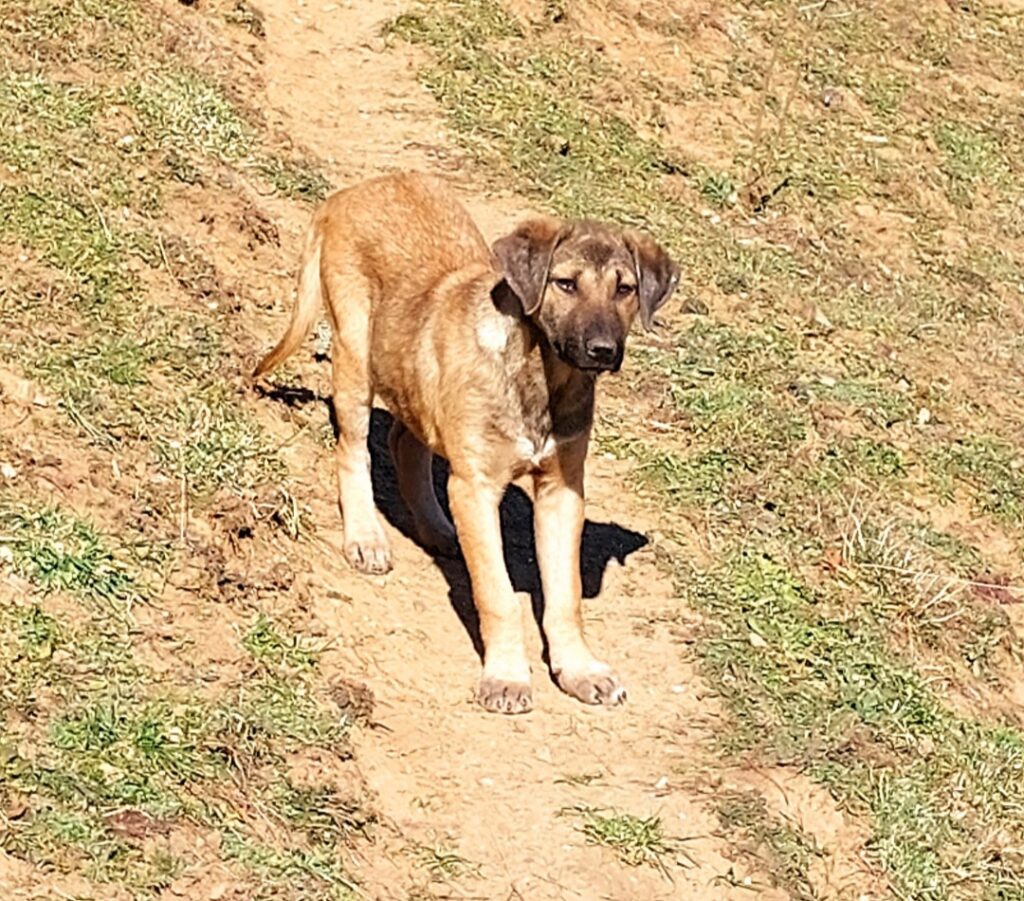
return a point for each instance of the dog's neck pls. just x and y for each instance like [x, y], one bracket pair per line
[570, 393]
[547, 384]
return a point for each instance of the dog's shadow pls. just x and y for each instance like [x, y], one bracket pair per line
[602, 542]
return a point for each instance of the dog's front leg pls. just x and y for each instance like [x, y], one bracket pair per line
[505, 684]
[558, 526]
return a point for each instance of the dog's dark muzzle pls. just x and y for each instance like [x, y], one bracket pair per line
[598, 353]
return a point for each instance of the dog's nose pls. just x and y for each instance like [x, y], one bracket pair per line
[603, 351]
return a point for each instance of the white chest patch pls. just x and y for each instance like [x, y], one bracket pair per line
[492, 333]
[530, 453]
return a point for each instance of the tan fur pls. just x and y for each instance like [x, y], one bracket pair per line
[489, 359]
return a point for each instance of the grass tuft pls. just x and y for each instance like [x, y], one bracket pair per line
[635, 840]
[787, 851]
[992, 469]
[58, 552]
[267, 645]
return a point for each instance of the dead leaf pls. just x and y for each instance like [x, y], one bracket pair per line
[135, 824]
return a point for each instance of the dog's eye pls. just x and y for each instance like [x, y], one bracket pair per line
[568, 285]
[625, 290]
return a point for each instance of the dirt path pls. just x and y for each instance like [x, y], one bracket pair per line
[488, 787]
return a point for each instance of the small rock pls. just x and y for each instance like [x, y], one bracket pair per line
[924, 416]
[832, 98]
[756, 640]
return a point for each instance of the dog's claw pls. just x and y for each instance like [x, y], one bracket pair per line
[597, 686]
[372, 556]
[499, 696]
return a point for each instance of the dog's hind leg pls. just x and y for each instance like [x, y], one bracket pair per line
[413, 464]
[366, 543]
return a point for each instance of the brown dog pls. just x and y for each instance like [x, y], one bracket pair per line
[488, 359]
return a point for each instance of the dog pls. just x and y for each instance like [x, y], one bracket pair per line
[487, 356]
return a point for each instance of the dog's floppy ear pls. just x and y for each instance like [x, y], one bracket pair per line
[525, 258]
[657, 275]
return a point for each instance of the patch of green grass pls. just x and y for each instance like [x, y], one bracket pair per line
[971, 159]
[709, 349]
[154, 762]
[82, 370]
[812, 683]
[267, 645]
[635, 840]
[992, 469]
[751, 422]
[718, 189]
[870, 400]
[43, 658]
[270, 711]
[490, 20]
[299, 178]
[743, 269]
[59, 552]
[184, 108]
[39, 631]
[70, 840]
[702, 479]
[961, 557]
[72, 236]
[319, 811]
[291, 874]
[885, 91]
[910, 586]
[517, 107]
[36, 110]
[860, 459]
[68, 30]
[135, 754]
[208, 441]
[786, 851]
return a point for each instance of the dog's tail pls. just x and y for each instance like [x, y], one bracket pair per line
[307, 304]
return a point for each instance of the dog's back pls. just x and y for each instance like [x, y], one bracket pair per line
[395, 237]
[408, 230]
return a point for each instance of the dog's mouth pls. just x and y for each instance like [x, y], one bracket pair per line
[573, 354]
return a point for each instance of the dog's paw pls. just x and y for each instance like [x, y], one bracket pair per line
[596, 685]
[500, 696]
[370, 554]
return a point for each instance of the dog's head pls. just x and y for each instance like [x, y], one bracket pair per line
[583, 284]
